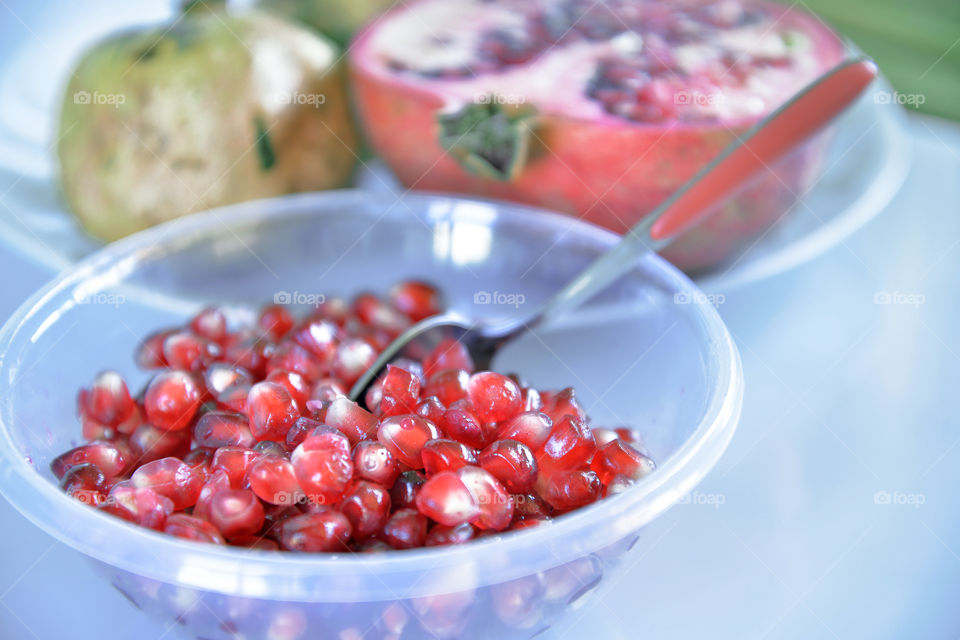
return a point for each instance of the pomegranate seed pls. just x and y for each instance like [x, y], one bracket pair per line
[532, 428]
[367, 506]
[418, 300]
[144, 507]
[442, 536]
[256, 543]
[108, 400]
[445, 499]
[460, 423]
[249, 352]
[270, 448]
[150, 443]
[83, 477]
[298, 432]
[290, 356]
[150, 352]
[210, 324]
[373, 396]
[446, 455]
[617, 484]
[294, 383]
[401, 389]
[529, 505]
[448, 354]
[130, 424]
[496, 506]
[566, 490]
[633, 437]
[221, 429]
[373, 461]
[327, 531]
[405, 436]
[530, 399]
[569, 446]
[519, 603]
[404, 492]
[353, 357]
[271, 410]
[187, 352]
[105, 455]
[351, 419]
[620, 458]
[235, 461]
[449, 385]
[190, 528]
[275, 321]
[273, 480]
[236, 513]
[602, 436]
[528, 523]
[406, 529]
[374, 312]
[431, 409]
[217, 481]
[319, 337]
[323, 466]
[563, 403]
[333, 309]
[327, 390]
[512, 463]
[171, 478]
[494, 397]
[200, 460]
[171, 401]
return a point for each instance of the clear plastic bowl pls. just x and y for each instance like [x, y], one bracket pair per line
[650, 352]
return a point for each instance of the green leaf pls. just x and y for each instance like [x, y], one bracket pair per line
[487, 139]
[268, 158]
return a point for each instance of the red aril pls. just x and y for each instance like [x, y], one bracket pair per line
[460, 423]
[494, 397]
[86, 483]
[323, 466]
[200, 460]
[108, 400]
[448, 354]
[290, 356]
[235, 513]
[144, 507]
[603, 435]
[373, 461]
[443, 454]
[327, 390]
[400, 392]
[186, 352]
[445, 499]
[190, 528]
[217, 481]
[319, 337]
[431, 409]
[351, 419]
[448, 385]
[529, 505]
[562, 403]
[405, 437]
[367, 507]
[542, 87]
[512, 463]
[299, 432]
[532, 428]
[248, 351]
[416, 299]
[496, 506]
[618, 458]
[234, 461]
[150, 443]
[211, 324]
[295, 384]
[149, 354]
[221, 429]
[326, 530]
[566, 490]
[353, 357]
[569, 445]
[272, 479]
[271, 411]
[404, 492]
[406, 529]
[374, 312]
[171, 478]
[441, 535]
[171, 400]
[275, 321]
[106, 456]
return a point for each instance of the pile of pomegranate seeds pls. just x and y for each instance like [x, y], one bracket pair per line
[245, 437]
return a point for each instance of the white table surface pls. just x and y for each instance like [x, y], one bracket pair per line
[850, 404]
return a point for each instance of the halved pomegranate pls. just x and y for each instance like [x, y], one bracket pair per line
[600, 110]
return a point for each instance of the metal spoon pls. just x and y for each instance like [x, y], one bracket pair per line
[776, 135]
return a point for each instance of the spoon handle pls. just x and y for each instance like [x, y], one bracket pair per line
[760, 148]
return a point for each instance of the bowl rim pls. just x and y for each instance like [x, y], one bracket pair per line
[280, 575]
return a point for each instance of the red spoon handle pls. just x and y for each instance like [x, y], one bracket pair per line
[758, 150]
